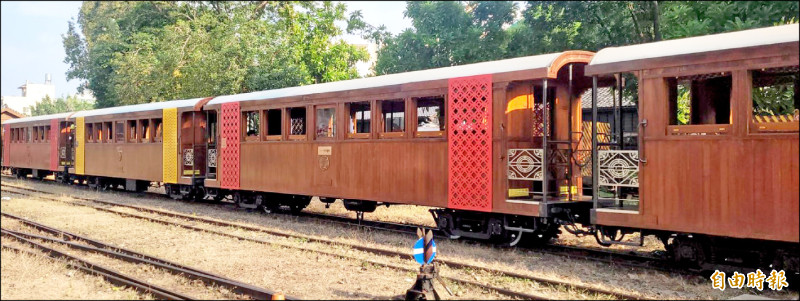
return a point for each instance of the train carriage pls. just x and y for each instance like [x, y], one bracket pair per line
[33, 144]
[498, 148]
[129, 146]
[434, 137]
[726, 169]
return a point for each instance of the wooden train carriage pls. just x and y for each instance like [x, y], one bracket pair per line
[129, 145]
[436, 137]
[31, 145]
[729, 166]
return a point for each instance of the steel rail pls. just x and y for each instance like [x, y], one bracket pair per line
[110, 275]
[376, 251]
[134, 257]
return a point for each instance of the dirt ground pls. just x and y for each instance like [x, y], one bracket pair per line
[344, 278]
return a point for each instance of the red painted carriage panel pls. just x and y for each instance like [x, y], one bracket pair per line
[54, 144]
[229, 145]
[470, 143]
[6, 144]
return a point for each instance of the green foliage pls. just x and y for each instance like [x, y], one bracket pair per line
[777, 98]
[137, 52]
[60, 105]
[455, 33]
[684, 105]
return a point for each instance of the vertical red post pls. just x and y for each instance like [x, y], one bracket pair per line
[54, 145]
[470, 143]
[229, 145]
[6, 144]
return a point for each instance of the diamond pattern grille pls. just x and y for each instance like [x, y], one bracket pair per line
[470, 143]
[6, 144]
[54, 144]
[230, 125]
[169, 145]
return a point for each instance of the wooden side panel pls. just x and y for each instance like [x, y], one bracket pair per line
[408, 171]
[54, 144]
[80, 149]
[136, 161]
[6, 144]
[470, 143]
[738, 184]
[229, 145]
[169, 146]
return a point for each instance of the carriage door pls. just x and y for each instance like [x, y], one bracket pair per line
[211, 144]
[618, 137]
[66, 144]
[193, 147]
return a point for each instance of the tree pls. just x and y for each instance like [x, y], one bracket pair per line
[60, 105]
[137, 52]
[454, 33]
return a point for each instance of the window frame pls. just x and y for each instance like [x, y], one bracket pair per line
[382, 134]
[757, 128]
[698, 130]
[117, 125]
[288, 124]
[265, 118]
[156, 137]
[356, 134]
[429, 134]
[144, 131]
[245, 137]
[317, 108]
[132, 131]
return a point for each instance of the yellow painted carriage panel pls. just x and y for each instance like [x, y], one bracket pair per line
[170, 146]
[80, 137]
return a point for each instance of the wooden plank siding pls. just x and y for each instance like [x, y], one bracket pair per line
[740, 183]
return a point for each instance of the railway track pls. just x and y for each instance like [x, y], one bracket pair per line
[106, 207]
[627, 259]
[78, 242]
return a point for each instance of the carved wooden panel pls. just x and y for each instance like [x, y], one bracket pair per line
[470, 143]
[525, 164]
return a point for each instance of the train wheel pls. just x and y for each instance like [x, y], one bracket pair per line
[688, 252]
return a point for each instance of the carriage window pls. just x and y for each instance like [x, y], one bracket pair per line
[252, 125]
[46, 133]
[90, 132]
[775, 100]
[274, 122]
[326, 122]
[108, 128]
[159, 130]
[211, 129]
[430, 116]
[132, 137]
[297, 123]
[359, 121]
[700, 99]
[119, 130]
[144, 130]
[36, 134]
[700, 104]
[393, 117]
[99, 135]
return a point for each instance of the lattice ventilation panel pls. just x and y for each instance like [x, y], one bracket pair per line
[54, 144]
[80, 136]
[6, 144]
[169, 146]
[470, 143]
[229, 146]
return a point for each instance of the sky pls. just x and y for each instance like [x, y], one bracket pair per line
[30, 39]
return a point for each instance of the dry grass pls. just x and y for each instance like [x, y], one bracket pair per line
[652, 284]
[38, 277]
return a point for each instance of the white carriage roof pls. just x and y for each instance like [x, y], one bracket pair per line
[38, 118]
[140, 107]
[715, 42]
[507, 65]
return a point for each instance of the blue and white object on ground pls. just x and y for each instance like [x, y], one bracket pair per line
[419, 250]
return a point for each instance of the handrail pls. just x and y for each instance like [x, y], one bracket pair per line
[643, 125]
